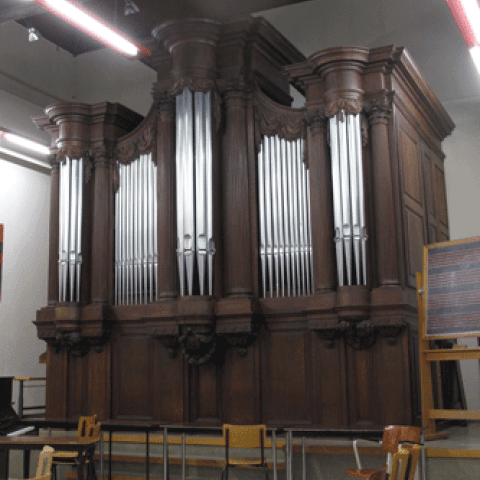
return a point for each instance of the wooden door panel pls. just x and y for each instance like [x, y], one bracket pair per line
[133, 372]
[286, 377]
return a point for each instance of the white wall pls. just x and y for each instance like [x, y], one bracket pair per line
[24, 211]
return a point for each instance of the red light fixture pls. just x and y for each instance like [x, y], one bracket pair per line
[467, 16]
[90, 24]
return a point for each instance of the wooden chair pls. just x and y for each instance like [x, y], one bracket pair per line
[44, 466]
[87, 428]
[400, 462]
[244, 436]
[393, 436]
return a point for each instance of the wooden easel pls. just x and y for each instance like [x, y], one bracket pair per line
[448, 308]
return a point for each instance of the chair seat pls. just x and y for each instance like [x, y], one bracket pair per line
[363, 473]
[63, 455]
[245, 461]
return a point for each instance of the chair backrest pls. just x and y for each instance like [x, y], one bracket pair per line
[399, 464]
[414, 457]
[44, 466]
[93, 431]
[394, 435]
[245, 436]
[84, 423]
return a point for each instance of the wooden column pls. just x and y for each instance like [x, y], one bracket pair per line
[321, 204]
[237, 247]
[166, 238]
[386, 235]
[54, 231]
[101, 252]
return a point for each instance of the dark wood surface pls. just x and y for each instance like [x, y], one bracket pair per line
[342, 357]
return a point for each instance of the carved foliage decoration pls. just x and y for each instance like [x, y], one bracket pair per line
[140, 142]
[379, 107]
[352, 106]
[273, 119]
[195, 84]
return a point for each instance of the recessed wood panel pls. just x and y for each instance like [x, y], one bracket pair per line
[329, 382]
[394, 387]
[241, 386]
[361, 383]
[410, 159]
[415, 240]
[440, 196]
[133, 373]
[77, 381]
[98, 382]
[205, 393]
[285, 379]
[168, 385]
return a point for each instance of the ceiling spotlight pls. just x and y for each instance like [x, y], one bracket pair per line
[33, 34]
[130, 8]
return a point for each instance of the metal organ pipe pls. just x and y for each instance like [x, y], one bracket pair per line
[348, 198]
[194, 181]
[135, 252]
[284, 216]
[70, 237]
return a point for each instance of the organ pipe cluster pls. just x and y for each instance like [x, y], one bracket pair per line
[348, 198]
[194, 181]
[136, 232]
[284, 216]
[70, 244]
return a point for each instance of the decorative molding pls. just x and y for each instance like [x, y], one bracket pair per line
[273, 119]
[343, 105]
[195, 84]
[72, 151]
[139, 144]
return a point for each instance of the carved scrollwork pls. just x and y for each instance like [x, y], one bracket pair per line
[73, 341]
[391, 331]
[361, 335]
[198, 346]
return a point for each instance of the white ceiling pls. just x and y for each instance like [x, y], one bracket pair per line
[41, 73]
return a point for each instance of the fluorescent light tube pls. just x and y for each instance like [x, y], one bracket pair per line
[24, 142]
[475, 53]
[90, 25]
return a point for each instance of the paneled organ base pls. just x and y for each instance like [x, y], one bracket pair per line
[302, 319]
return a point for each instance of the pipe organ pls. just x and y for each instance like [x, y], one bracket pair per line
[230, 258]
[70, 217]
[136, 232]
[194, 170]
[348, 198]
[284, 218]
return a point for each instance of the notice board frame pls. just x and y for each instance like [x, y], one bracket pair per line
[449, 274]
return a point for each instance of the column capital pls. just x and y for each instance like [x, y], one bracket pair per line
[379, 108]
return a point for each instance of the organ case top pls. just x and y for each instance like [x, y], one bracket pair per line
[229, 258]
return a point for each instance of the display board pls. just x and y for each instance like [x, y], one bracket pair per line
[452, 289]
[448, 293]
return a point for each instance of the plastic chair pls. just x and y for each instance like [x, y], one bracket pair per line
[87, 428]
[244, 436]
[393, 436]
[44, 466]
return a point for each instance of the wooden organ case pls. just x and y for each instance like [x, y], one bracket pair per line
[229, 258]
